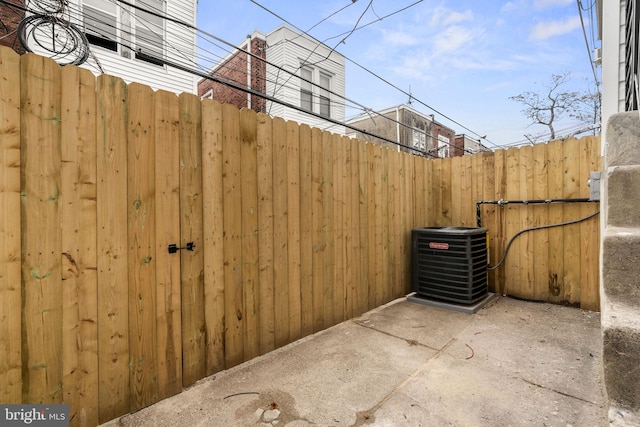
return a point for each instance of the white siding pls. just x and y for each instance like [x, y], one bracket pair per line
[288, 50]
[613, 57]
[179, 48]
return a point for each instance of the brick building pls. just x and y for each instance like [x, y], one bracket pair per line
[10, 17]
[468, 144]
[311, 89]
[409, 128]
[245, 67]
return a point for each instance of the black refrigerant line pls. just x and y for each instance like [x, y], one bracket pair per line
[502, 202]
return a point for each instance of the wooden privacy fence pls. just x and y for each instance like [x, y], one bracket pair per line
[559, 264]
[293, 230]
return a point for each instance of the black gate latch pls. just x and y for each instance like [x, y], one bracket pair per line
[173, 248]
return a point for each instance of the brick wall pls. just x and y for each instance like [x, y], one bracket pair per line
[235, 69]
[438, 129]
[10, 17]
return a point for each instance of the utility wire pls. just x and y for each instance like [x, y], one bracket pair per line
[247, 90]
[364, 108]
[282, 69]
[586, 41]
[482, 137]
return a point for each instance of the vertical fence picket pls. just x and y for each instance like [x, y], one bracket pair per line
[232, 237]
[419, 186]
[347, 226]
[318, 242]
[142, 247]
[372, 227]
[212, 235]
[41, 242]
[526, 240]
[409, 219]
[327, 226]
[113, 286]
[280, 233]
[363, 222]
[79, 245]
[265, 236]
[10, 230]
[354, 217]
[540, 217]
[571, 253]
[500, 181]
[437, 185]
[395, 234]
[458, 184]
[513, 223]
[293, 228]
[191, 291]
[480, 182]
[489, 214]
[589, 236]
[249, 217]
[384, 225]
[474, 180]
[555, 281]
[338, 228]
[167, 184]
[378, 225]
[306, 231]
[429, 205]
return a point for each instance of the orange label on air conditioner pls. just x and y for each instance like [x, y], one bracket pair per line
[437, 245]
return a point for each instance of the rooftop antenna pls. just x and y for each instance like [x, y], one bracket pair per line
[410, 102]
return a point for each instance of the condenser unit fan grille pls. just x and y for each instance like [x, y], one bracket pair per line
[450, 263]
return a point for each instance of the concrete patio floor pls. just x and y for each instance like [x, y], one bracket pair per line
[513, 363]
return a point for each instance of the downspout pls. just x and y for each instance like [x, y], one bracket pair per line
[398, 127]
[250, 49]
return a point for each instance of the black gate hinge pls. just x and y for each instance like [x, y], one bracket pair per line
[173, 248]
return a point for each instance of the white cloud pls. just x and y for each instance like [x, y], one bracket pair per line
[452, 39]
[514, 6]
[547, 29]
[443, 16]
[400, 38]
[545, 4]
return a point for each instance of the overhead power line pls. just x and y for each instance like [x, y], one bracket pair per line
[482, 137]
[243, 89]
[248, 90]
[586, 41]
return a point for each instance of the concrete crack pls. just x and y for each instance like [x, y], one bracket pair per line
[367, 417]
[408, 341]
[558, 392]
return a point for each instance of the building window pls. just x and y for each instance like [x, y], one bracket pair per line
[101, 23]
[419, 140]
[315, 84]
[150, 31]
[443, 146]
[108, 24]
[306, 89]
[325, 87]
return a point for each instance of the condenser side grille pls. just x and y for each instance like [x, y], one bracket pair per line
[450, 263]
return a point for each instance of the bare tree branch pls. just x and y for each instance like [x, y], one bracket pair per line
[550, 106]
